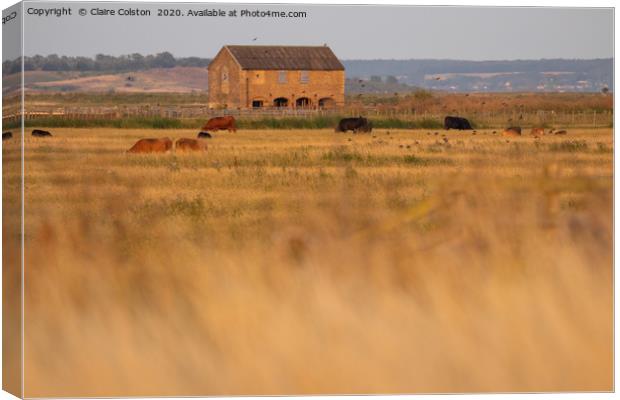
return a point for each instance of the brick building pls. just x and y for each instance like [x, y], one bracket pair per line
[276, 76]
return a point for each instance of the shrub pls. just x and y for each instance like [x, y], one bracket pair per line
[569, 146]
[422, 94]
[423, 161]
[341, 154]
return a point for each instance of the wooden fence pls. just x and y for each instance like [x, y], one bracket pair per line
[481, 118]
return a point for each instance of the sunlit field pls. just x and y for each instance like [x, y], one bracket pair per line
[313, 262]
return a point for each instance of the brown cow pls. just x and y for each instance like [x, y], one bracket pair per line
[221, 123]
[537, 132]
[512, 131]
[185, 144]
[151, 145]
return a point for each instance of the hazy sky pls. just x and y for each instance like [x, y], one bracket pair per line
[353, 32]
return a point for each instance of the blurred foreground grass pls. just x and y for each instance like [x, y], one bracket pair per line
[309, 262]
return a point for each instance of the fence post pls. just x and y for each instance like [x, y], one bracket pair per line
[595, 118]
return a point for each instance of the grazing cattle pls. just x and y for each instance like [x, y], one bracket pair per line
[7, 135]
[151, 145]
[512, 131]
[40, 133]
[220, 123]
[185, 144]
[562, 132]
[204, 135]
[456, 123]
[537, 132]
[358, 124]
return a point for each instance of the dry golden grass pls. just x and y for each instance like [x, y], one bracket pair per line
[297, 262]
[475, 103]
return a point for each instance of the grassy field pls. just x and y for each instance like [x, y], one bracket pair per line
[305, 261]
[419, 110]
[285, 123]
[423, 101]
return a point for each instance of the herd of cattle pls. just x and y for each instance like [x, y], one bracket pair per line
[512, 131]
[163, 145]
[228, 123]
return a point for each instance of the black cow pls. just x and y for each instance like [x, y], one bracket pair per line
[359, 124]
[204, 135]
[456, 123]
[7, 135]
[40, 133]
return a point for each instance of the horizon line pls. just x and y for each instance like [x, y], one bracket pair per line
[349, 59]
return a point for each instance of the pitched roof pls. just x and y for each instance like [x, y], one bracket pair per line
[286, 57]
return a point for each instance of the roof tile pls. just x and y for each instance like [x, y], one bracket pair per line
[286, 57]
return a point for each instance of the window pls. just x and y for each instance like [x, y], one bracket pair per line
[302, 102]
[326, 102]
[282, 77]
[224, 74]
[280, 102]
[304, 77]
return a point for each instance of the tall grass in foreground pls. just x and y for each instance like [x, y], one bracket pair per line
[308, 264]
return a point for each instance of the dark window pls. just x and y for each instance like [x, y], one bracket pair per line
[302, 102]
[280, 102]
[326, 102]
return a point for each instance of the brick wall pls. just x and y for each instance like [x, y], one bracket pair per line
[224, 94]
[267, 86]
[242, 87]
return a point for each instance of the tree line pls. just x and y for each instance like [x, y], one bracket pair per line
[101, 62]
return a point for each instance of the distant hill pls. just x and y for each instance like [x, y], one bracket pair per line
[159, 80]
[163, 72]
[489, 76]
